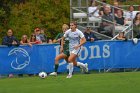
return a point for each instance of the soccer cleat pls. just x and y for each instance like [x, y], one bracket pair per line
[86, 68]
[69, 76]
[11, 76]
[82, 70]
[53, 74]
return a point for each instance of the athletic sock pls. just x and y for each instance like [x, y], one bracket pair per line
[81, 65]
[56, 67]
[70, 68]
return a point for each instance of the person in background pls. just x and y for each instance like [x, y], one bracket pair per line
[37, 34]
[116, 8]
[120, 20]
[50, 41]
[25, 40]
[33, 39]
[93, 10]
[121, 36]
[130, 15]
[10, 39]
[101, 10]
[107, 22]
[43, 36]
[136, 25]
[89, 35]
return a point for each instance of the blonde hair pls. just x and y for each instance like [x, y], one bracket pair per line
[65, 26]
[24, 36]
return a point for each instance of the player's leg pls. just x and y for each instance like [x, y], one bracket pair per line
[72, 62]
[83, 66]
[59, 57]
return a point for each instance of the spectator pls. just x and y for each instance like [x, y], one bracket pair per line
[37, 34]
[136, 26]
[25, 41]
[89, 35]
[121, 36]
[50, 41]
[10, 39]
[43, 36]
[33, 39]
[119, 18]
[101, 10]
[107, 20]
[116, 7]
[93, 10]
[130, 15]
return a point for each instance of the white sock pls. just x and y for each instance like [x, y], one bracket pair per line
[70, 68]
[82, 65]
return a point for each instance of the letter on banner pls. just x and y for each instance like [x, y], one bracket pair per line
[106, 51]
[95, 49]
[57, 49]
[85, 53]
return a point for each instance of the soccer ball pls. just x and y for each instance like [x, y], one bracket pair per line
[135, 40]
[42, 75]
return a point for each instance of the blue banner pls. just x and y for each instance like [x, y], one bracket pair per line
[99, 55]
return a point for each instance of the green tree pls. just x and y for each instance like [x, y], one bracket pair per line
[25, 15]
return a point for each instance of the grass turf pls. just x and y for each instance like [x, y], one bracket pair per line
[79, 83]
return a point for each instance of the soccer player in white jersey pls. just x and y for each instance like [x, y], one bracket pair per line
[76, 40]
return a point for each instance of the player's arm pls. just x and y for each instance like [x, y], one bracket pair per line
[57, 39]
[82, 41]
[62, 44]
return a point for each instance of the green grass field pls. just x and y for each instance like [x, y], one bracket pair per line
[80, 83]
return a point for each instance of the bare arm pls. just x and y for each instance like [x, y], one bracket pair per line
[82, 41]
[62, 44]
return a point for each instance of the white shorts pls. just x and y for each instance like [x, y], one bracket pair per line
[75, 51]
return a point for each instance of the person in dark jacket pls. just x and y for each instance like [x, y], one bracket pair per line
[89, 35]
[9, 39]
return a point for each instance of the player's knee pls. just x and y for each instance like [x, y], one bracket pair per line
[74, 63]
[57, 59]
[70, 59]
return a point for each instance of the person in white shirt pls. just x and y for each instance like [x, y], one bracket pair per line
[130, 15]
[76, 40]
[93, 10]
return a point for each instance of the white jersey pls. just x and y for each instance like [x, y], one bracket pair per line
[74, 38]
